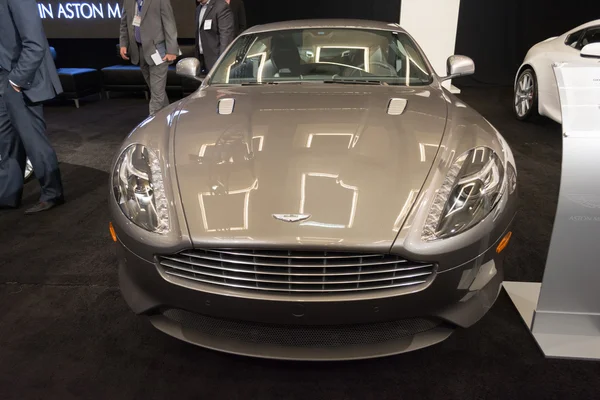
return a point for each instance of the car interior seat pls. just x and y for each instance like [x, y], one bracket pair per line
[594, 38]
[285, 59]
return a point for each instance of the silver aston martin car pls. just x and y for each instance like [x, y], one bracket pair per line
[321, 196]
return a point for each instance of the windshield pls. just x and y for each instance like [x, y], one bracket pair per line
[323, 55]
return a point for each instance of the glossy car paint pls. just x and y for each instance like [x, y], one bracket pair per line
[304, 148]
[331, 151]
[541, 58]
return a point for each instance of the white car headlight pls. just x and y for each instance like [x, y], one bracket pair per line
[471, 190]
[139, 189]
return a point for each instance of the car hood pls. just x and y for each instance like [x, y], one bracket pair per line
[329, 151]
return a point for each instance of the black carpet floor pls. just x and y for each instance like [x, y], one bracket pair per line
[66, 333]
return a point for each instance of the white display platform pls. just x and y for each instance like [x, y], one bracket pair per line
[563, 312]
[433, 24]
[525, 297]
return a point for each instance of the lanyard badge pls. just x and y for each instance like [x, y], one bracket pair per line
[137, 19]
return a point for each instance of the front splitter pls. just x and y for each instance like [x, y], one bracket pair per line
[272, 351]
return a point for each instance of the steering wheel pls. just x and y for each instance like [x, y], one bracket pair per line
[388, 67]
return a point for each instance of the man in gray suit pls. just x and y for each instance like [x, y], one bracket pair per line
[149, 38]
[215, 30]
[27, 78]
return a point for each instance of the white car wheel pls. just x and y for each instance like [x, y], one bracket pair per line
[525, 101]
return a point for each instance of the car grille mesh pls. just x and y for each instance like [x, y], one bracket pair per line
[296, 272]
[305, 336]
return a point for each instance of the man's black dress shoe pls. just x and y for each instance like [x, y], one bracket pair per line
[44, 206]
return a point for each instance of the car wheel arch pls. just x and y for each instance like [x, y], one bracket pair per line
[535, 73]
[523, 68]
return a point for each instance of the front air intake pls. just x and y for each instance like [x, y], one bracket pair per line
[303, 336]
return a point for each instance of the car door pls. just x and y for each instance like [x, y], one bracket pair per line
[590, 35]
[569, 51]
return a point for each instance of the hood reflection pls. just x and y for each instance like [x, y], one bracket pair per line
[231, 179]
[330, 211]
[338, 157]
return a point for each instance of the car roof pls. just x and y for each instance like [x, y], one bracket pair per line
[325, 23]
[586, 25]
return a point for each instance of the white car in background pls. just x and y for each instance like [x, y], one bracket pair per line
[535, 90]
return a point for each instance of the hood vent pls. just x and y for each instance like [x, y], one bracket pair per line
[396, 106]
[226, 106]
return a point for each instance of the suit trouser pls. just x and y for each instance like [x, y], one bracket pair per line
[203, 68]
[23, 134]
[156, 79]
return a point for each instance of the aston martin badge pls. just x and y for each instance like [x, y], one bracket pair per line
[585, 200]
[291, 217]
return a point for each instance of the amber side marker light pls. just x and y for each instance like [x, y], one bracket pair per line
[112, 232]
[503, 243]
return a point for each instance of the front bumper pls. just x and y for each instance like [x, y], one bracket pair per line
[328, 330]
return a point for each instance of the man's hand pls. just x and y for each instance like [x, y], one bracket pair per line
[170, 57]
[124, 53]
[15, 87]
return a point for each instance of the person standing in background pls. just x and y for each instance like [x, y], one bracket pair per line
[28, 77]
[215, 30]
[239, 15]
[148, 38]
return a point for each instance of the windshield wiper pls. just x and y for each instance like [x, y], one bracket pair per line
[357, 82]
[258, 83]
[340, 81]
[275, 83]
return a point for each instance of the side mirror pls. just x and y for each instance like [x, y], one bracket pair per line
[458, 66]
[591, 50]
[189, 68]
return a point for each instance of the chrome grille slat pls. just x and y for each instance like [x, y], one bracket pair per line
[324, 271]
[296, 272]
[289, 270]
[299, 257]
[360, 273]
[255, 275]
[210, 258]
[295, 290]
[222, 269]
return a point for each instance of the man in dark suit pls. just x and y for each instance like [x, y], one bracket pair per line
[214, 30]
[27, 78]
[239, 15]
[148, 36]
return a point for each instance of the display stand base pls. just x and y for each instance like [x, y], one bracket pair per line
[525, 295]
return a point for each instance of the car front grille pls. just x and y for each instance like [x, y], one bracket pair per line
[296, 272]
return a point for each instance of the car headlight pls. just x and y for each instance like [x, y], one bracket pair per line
[139, 189]
[471, 190]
